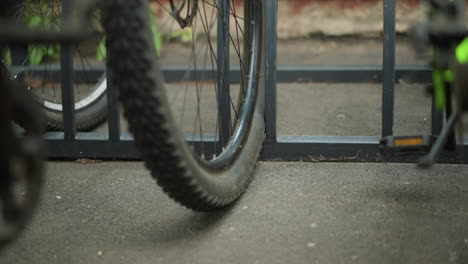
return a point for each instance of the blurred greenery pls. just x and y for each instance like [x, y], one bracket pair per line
[46, 16]
[40, 15]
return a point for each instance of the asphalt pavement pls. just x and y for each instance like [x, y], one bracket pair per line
[113, 212]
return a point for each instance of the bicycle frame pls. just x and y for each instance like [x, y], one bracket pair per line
[443, 30]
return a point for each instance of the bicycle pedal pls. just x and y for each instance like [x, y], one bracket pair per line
[404, 144]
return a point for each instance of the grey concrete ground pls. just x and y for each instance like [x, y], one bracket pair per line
[292, 213]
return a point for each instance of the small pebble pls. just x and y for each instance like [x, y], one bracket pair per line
[313, 225]
[99, 253]
[59, 197]
[245, 207]
[466, 240]
[311, 245]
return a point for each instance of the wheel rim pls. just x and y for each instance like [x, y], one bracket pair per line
[243, 39]
[101, 88]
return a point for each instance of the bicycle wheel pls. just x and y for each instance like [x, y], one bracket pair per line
[21, 159]
[37, 67]
[201, 168]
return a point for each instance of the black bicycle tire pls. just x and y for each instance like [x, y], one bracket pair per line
[135, 72]
[27, 114]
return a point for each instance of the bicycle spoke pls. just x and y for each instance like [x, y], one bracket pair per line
[203, 64]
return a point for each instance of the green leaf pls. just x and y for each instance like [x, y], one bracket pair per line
[184, 35]
[461, 52]
[34, 22]
[156, 33]
[439, 89]
[36, 54]
[187, 35]
[101, 50]
[56, 53]
[7, 57]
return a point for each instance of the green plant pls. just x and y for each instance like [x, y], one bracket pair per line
[44, 16]
[6, 57]
[157, 39]
[183, 35]
[47, 16]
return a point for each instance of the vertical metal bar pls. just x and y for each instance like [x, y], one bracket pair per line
[451, 139]
[113, 116]
[436, 120]
[66, 64]
[224, 106]
[19, 54]
[271, 37]
[388, 97]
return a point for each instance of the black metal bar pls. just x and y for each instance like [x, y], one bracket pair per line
[342, 149]
[329, 74]
[288, 148]
[388, 96]
[53, 72]
[224, 105]
[270, 34]
[437, 119]
[284, 74]
[451, 141]
[319, 148]
[351, 74]
[19, 55]
[429, 159]
[90, 145]
[113, 115]
[66, 64]
[97, 146]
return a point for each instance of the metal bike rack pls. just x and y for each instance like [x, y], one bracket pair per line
[114, 145]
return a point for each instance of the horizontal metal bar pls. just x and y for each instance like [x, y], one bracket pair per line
[343, 149]
[52, 72]
[336, 74]
[98, 146]
[91, 145]
[288, 148]
[351, 74]
[320, 148]
[285, 74]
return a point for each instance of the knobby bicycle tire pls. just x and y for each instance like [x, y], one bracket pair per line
[134, 70]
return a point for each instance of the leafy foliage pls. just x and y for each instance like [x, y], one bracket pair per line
[46, 15]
